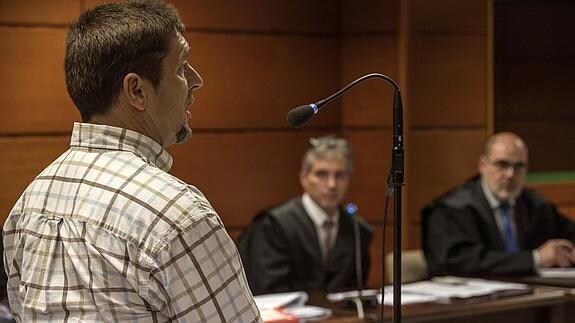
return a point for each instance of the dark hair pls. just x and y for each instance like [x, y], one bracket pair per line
[110, 41]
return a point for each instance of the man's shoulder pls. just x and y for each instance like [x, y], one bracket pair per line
[291, 206]
[460, 196]
[285, 214]
[533, 198]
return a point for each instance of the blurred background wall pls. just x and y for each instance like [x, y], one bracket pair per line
[466, 69]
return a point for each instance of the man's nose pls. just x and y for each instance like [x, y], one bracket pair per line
[331, 181]
[510, 171]
[195, 81]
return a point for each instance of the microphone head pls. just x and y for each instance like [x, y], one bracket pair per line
[299, 116]
[351, 209]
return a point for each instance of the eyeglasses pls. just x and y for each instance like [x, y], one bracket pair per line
[504, 165]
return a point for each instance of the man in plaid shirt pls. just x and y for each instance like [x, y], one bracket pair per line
[104, 233]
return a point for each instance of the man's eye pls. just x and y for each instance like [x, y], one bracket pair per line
[341, 175]
[321, 174]
[182, 68]
[502, 164]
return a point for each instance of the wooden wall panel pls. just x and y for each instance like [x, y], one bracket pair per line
[259, 15]
[242, 173]
[252, 81]
[35, 12]
[413, 236]
[375, 253]
[22, 158]
[440, 160]
[448, 82]
[531, 90]
[451, 16]
[369, 16]
[535, 62]
[32, 89]
[448, 85]
[369, 103]
[534, 29]
[560, 193]
[534, 99]
[371, 153]
[547, 141]
[237, 93]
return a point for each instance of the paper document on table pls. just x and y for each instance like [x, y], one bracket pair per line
[365, 294]
[443, 289]
[407, 298]
[280, 300]
[557, 272]
[308, 312]
[464, 288]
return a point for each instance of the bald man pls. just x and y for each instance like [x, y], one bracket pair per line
[492, 225]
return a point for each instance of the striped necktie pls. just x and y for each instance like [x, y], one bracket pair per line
[328, 239]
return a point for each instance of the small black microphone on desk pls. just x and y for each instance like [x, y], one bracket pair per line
[351, 210]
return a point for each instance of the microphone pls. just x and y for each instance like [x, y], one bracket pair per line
[299, 116]
[351, 210]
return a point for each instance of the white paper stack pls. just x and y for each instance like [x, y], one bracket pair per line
[445, 288]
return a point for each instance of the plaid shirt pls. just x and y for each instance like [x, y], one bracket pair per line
[106, 234]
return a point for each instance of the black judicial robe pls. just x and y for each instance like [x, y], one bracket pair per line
[461, 237]
[280, 252]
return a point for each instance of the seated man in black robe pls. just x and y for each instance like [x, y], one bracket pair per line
[492, 225]
[310, 242]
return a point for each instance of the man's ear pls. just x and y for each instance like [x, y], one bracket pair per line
[134, 90]
[481, 164]
[302, 177]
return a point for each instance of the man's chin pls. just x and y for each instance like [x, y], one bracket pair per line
[508, 195]
[329, 206]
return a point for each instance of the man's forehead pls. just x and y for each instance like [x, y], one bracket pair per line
[506, 151]
[182, 46]
[329, 162]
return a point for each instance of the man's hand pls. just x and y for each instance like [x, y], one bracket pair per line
[556, 253]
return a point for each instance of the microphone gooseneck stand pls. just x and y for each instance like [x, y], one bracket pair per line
[351, 210]
[397, 180]
[300, 115]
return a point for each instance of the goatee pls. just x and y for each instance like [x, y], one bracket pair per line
[184, 134]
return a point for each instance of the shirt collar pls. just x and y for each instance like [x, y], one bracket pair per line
[94, 136]
[315, 212]
[494, 203]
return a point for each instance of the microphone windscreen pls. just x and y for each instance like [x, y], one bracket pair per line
[299, 116]
[351, 209]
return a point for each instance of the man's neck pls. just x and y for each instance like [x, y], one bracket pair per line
[131, 119]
